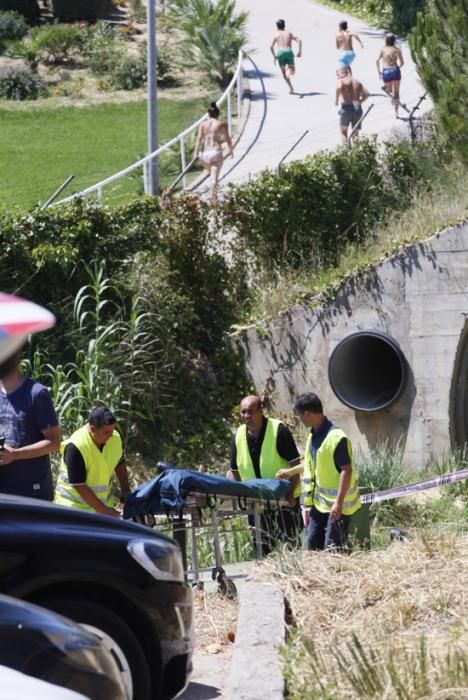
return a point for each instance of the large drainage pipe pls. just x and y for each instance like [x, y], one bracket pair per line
[367, 370]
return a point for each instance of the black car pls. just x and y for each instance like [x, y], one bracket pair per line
[45, 645]
[123, 581]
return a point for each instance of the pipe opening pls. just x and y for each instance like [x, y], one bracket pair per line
[367, 370]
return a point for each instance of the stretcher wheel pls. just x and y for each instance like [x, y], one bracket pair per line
[227, 587]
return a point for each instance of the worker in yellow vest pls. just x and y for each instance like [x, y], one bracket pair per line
[90, 457]
[330, 489]
[260, 447]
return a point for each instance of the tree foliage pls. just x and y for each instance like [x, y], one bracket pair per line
[439, 44]
[213, 35]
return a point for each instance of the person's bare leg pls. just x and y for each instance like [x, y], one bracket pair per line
[286, 72]
[215, 170]
[344, 134]
[396, 95]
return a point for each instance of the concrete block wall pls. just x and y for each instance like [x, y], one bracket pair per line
[420, 298]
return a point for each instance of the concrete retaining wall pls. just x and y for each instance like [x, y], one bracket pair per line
[420, 298]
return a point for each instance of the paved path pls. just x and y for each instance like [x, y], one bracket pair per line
[278, 119]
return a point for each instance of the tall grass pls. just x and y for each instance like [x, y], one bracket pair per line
[117, 362]
[369, 670]
[443, 509]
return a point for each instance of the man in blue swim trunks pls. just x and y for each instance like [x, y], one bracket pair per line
[344, 44]
[281, 48]
[392, 61]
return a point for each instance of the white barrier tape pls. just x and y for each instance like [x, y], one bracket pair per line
[399, 491]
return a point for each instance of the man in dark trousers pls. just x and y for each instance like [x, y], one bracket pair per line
[329, 483]
[260, 447]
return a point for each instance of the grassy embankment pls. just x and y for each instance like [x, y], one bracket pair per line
[43, 146]
[431, 209]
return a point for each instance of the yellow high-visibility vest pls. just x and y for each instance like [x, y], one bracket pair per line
[99, 469]
[270, 460]
[322, 479]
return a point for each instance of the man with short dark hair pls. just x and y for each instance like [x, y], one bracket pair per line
[281, 48]
[89, 459]
[329, 484]
[30, 432]
[350, 94]
[344, 44]
[259, 448]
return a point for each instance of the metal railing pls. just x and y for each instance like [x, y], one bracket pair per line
[180, 140]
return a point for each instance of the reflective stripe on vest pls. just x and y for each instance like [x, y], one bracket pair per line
[308, 479]
[270, 460]
[322, 479]
[99, 465]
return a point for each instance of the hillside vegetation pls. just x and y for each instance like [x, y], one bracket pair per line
[145, 294]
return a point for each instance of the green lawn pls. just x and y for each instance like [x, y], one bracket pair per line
[40, 147]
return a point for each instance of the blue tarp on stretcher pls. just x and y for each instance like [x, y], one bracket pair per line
[169, 490]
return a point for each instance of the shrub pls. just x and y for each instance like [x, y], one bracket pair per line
[164, 63]
[57, 43]
[102, 56]
[213, 35]
[26, 50]
[20, 83]
[12, 27]
[129, 73]
[322, 204]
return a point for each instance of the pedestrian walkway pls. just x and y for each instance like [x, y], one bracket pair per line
[277, 119]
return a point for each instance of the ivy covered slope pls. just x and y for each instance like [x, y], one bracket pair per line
[145, 295]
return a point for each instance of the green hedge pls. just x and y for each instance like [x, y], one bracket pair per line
[310, 212]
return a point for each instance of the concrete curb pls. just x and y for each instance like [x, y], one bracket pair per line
[255, 667]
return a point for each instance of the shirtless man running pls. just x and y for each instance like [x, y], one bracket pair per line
[352, 94]
[344, 44]
[284, 53]
[392, 60]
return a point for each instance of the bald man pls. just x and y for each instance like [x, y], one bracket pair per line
[258, 448]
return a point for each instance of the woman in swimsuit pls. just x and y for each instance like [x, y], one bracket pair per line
[392, 60]
[211, 134]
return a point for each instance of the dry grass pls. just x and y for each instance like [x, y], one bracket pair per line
[215, 622]
[389, 624]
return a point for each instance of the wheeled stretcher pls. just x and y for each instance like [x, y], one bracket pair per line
[181, 499]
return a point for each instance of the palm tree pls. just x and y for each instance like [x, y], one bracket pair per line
[213, 35]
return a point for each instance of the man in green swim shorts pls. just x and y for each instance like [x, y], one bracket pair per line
[281, 48]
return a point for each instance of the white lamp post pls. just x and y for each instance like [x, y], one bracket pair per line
[152, 170]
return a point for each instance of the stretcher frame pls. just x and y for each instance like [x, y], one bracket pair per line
[221, 507]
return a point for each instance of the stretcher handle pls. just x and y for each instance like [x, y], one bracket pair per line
[162, 466]
[242, 502]
[211, 501]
